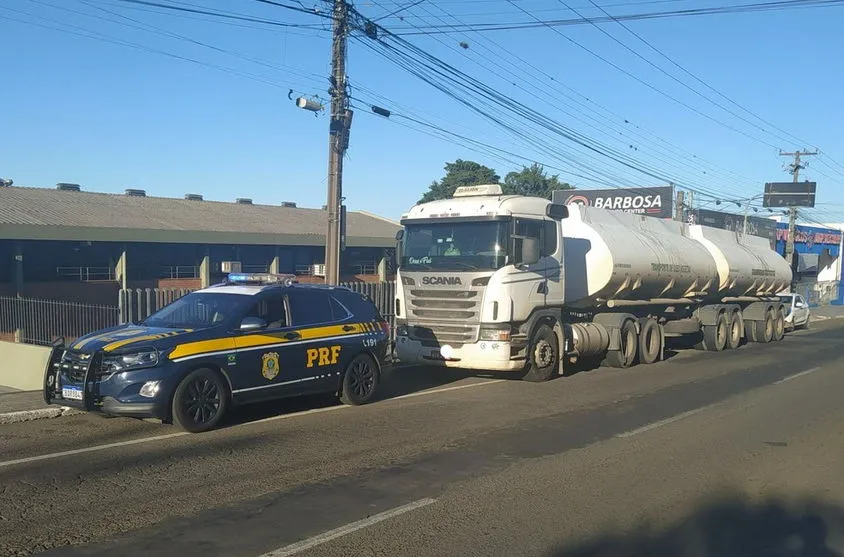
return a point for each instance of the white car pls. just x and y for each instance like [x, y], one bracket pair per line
[797, 311]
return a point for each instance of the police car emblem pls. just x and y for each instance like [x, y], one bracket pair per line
[270, 368]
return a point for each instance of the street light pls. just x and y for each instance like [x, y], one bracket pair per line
[746, 207]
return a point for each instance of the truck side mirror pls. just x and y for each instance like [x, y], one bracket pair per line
[399, 238]
[556, 211]
[530, 251]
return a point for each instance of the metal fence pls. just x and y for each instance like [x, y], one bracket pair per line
[136, 304]
[42, 321]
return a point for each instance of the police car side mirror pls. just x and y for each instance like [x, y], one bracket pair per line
[252, 324]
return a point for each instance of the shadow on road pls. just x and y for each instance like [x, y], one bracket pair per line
[731, 528]
[400, 382]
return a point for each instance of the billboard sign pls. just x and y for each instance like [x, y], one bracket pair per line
[653, 202]
[789, 194]
[756, 226]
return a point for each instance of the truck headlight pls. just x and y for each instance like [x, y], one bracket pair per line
[495, 333]
[134, 360]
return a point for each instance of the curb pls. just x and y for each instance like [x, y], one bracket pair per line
[39, 414]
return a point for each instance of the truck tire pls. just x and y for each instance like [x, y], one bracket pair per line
[626, 355]
[765, 328]
[715, 336]
[735, 329]
[650, 341]
[779, 325]
[543, 355]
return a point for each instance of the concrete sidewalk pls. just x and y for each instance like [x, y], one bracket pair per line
[24, 406]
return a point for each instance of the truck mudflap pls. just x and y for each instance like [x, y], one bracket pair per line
[84, 398]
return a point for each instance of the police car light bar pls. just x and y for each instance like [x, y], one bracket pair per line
[260, 278]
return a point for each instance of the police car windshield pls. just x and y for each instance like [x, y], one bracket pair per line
[199, 310]
[455, 246]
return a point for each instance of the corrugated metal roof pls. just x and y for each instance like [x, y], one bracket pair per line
[55, 208]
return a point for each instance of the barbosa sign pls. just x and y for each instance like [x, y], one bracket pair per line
[654, 202]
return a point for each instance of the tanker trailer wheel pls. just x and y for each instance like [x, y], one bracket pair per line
[779, 325]
[765, 328]
[735, 328]
[543, 355]
[715, 336]
[650, 341]
[626, 355]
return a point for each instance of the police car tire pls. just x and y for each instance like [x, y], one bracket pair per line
[361, 368]
[179, 411]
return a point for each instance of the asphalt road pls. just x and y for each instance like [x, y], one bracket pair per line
[705, 454]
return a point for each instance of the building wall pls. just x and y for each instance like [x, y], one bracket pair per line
[86, 271]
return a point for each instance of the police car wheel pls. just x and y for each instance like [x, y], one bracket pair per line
[360, 380]
[200, 401]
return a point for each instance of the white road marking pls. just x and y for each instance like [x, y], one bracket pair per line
[446, 389]
[796, 375]
[96, 448]
[90, 449]
[661, 423]
[298, 547]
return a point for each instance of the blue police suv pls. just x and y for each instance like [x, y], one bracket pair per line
[253, 338]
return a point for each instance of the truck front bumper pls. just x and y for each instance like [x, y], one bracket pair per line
[482, 355]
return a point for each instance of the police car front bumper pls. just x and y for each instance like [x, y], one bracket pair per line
[115, 394]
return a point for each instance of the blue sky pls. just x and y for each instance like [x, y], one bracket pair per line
[110, 117]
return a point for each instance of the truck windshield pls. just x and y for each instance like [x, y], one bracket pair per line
[198, 310]
[455, 246]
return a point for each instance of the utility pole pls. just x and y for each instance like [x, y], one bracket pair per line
[679, 205]
[795, 167]
[338, 139]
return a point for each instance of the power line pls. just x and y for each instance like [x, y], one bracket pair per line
[102, 37]
[712, 10]
[690, 74]
[534, 91]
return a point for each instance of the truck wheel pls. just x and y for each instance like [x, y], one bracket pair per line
[650, 341]
[765, 328]
[715, 336]
[360, 381]
[779, 325]
[200, 401]
[626, 356]
[543, 355]
[735, 330]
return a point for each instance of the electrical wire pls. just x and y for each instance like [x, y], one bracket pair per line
[711, 10]
[604, 124]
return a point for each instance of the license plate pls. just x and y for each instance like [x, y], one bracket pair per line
[72, 393]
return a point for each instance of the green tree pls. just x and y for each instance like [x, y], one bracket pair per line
[533, 181]
[460, 173]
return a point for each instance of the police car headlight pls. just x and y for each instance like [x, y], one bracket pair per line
[134, 360]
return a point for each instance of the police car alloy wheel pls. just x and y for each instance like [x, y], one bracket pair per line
[200, 401]
[360, 380]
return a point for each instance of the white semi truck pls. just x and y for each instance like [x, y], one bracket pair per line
[488, 281]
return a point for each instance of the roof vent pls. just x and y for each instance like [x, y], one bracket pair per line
[243, 201]
[193, 197]
[135, 193]
[291, 204]
[62, 186]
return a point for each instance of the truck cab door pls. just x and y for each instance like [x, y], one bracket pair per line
[538, 275]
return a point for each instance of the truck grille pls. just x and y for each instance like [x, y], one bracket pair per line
[444, 316]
